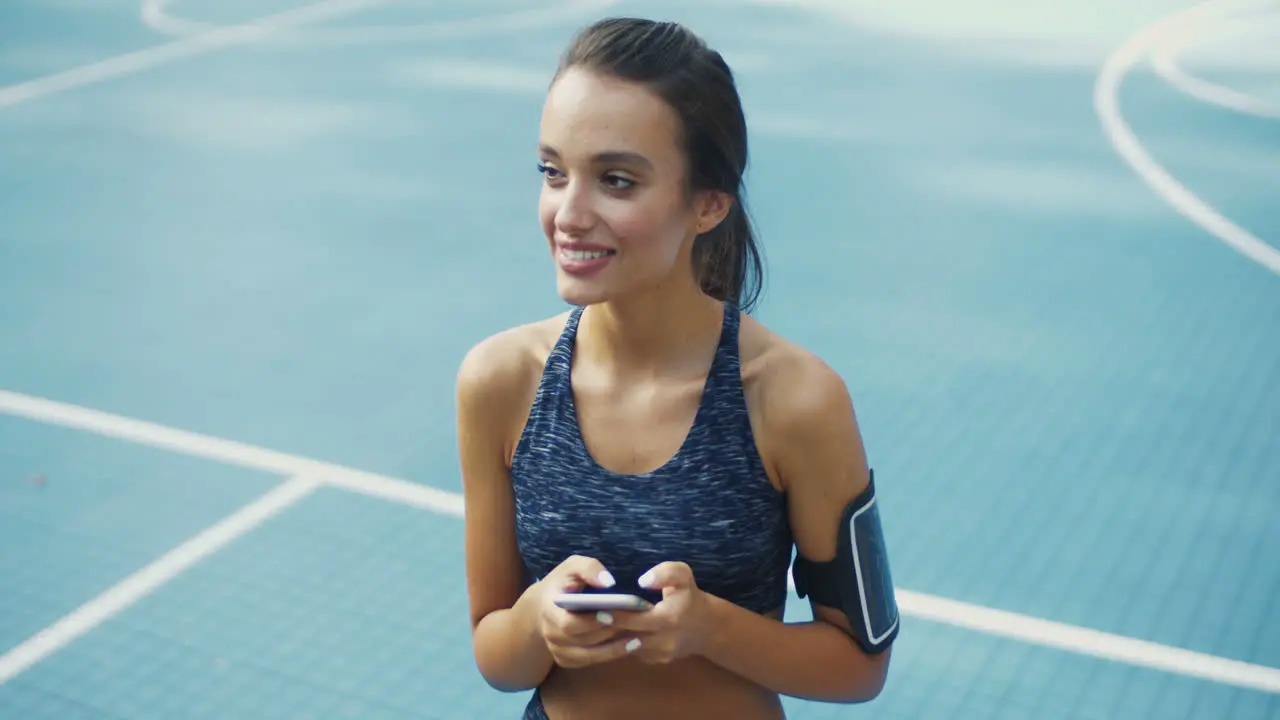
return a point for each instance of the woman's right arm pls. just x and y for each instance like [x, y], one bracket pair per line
[494, 389]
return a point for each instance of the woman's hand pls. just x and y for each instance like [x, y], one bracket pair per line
[577, 639]
[679, 626]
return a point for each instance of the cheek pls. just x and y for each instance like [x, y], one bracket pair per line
[654, 229]
[547, 213]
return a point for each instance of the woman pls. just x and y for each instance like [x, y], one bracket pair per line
[655, 440]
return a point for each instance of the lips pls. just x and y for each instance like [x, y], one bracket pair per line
[582, 260]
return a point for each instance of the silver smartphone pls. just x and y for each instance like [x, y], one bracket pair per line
[595, 602]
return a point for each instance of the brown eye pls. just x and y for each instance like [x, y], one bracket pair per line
[618, 182]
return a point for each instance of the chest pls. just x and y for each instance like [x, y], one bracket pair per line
[638, 428]
[709, 509]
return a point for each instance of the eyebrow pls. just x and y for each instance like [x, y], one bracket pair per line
[608, 157]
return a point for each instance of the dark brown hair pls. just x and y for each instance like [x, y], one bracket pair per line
[696, 82]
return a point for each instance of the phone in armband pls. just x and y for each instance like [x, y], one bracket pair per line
[597, 602]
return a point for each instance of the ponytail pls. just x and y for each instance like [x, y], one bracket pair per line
[727, 262]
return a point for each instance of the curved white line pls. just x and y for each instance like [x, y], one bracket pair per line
[1106, 103]
[155, 15]
[1164, 61]
[188, 46]
[1166, 66]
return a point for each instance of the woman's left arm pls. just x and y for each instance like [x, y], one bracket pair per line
[818, 452]
[810, 422]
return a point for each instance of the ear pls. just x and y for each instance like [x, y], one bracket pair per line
[710, 208]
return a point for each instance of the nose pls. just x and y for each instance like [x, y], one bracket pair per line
[575, 214]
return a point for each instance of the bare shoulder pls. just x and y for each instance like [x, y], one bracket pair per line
[807, 427]
[502, 362]
[794, 387]
[498, 377]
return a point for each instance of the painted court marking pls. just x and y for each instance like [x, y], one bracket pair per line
[1032, 630]
[198, 38]
[228, 452]
[145, 581]
[155, 15]
[137, 61]
[1164, 60]
[1107, 105]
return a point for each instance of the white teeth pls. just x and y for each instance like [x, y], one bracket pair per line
[584, 254]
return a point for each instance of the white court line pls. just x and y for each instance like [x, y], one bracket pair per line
[137, 61]
[981, 619]
[198, 38]
[228, 452]
[145, 581]
[1106, 646]
[1165, 63]
[155, 15]
[1106, 103]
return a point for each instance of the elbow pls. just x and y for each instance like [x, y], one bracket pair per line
[502, 685]
[502, 669]
[499, 677]
[873, 686]
[499, 671]
[506, 655]
[868, 679]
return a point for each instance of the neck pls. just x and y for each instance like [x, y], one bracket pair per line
[661, 330]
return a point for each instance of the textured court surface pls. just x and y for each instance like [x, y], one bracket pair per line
[1070, 391]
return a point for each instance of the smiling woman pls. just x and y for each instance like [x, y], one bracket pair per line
[656, 441]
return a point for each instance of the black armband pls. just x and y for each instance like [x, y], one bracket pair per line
[857, 581]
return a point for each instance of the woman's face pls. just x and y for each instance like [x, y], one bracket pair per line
[613, 206]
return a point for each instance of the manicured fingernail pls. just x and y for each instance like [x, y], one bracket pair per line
[604, 618]
[632, 645]
[606, 578]
[646, 579]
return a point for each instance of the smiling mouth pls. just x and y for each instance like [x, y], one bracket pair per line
[581, 255]
[582, 262]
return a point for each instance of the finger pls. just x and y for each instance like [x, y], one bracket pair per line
[580, 570]
[667, 575]
[582, 638]
[654, 652]
[581, 656]
[642, 622]
[582, 624]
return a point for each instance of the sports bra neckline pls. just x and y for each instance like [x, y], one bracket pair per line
[726, 352]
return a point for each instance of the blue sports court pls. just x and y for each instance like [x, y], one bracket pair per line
[244, 245]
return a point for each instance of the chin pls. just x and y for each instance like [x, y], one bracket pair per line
[577, 292]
